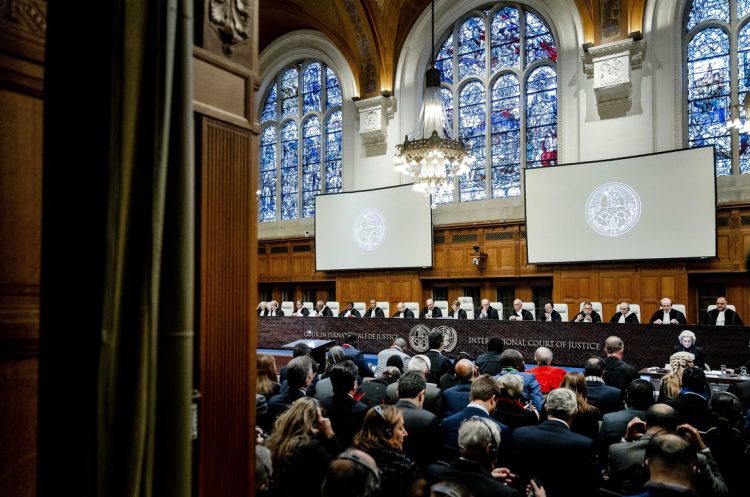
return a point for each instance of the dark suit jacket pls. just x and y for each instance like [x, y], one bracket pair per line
[456, 398]
[433, 398]
[451, 424]
[604, 397]
[561, 459]
[476, 478]
[281, 402]
[436, 312]
[554, 315]
[527, 315]
[279, 312]
[355, 313]
[373, 392]
[304, 311]
[359, 359]
[491, 313]
[692, 409]
[630, 318]
[264, 312]
[326, 311]
[378, 313]
[461, 314]
[595, 317]
[423, 427]
[489, 363]
[346, 415]
[731, 318]
[407, 313]
[673, 314]
[619, 373]
[439, 365]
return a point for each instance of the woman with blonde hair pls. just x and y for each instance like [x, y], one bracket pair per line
[382, 436]
[267, 383]
[586, 418]
[671, 383]
[302, 445]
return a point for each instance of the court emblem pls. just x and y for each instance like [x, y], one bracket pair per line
[418, 338]
[613, 209]
[450, 337]
[369, 229]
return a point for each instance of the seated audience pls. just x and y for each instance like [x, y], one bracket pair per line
[353, 473]
[587, 314]
[671, 383]
[323, 387]
[724, 438]
[519, 313]
[300, 349]
[433, 399]
[639, 397]
[687, 344]
[430, 311]
[382, 436]
[423, 427]
[439, 364]
[267, 382]
[691, 403]
[398, 347]
[671, 462]
[350, 311]
[479, 442]
[356, 355]
[548, 376]
[600, 395]
[373, 392]
[345, 412]
[299, 376]
[722, 315]
[456, 397]
[374, 311]
[456, 311]
[487, 311]
[302, 444]
[619, 373]
[667, 315]
[512, 362]
[403, 311]
[263, 471]
[549, 314]
[585, 421]
[623, 315]
[509, 409]
[489, 363]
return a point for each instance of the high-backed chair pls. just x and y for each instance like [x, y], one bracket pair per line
[287, 307]
[467, 304]
[635, 309]
[562, 310]
[713, 306]
[681, 308]
[443, 306]
[361, 307]
[386, 306]
[414, 307]
[498, 306]
[597, 306]
[531, 307]
[334, 307]
[310, 306]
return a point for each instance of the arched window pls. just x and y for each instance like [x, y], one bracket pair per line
[300, 141]
[499, 85]
[717, 41]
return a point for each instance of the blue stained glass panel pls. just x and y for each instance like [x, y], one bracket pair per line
[444, 61]
[333, 90]
[447, 97]
[311, 87]
[289, 93]
[541, 117]
[268, 174]
[269, 108]
[310, 164]
[505, 145]
[471, 47]
[289, 161]
[539, 41]
[471, 129]
[506, 103]
[743, 7]
[744, 154]
[505, 36]
[743, 59]
[334, 152]
[703, 10]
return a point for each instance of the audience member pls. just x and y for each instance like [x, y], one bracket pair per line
[397, 348]
[722, 315]
[512, 363]
[724, 438]
[479, 442]
[374, 311]
[299, 376]
[548, 376]
[300, 349]
[373, 392]
[456, 311]
[323, 387]
[585, 421]
[267, 382]
[687, 341]
[350, 311]
[619, 373]
[489, 363]
[671, 383]
[639, 397]
[356, 355]
[509, 409]
[302, 444]
[562, 460]
[587, 314]
[671, 462]
[623, 315]
[549, 314]
[353, 473]
[430, 311]
[345, 412]
[382, 436]
[423, 442]
[602, 396]
[487, 311]
[667, 315]
[456, 397]
[443, 489]
[433, 399]
[263, 471]
[403, 311]
[691, 403]
[439, 364]
[519, 313]
[323, 310]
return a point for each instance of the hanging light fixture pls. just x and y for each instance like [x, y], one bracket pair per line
[432, 157]
[739, 116]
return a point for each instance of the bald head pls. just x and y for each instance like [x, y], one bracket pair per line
[400, 343]
[661, 417]
[464, 370]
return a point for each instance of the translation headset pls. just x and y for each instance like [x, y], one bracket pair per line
[388, 431]
[492, 451]
[440, 488]
[350, 456]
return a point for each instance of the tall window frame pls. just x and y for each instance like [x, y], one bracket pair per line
[716, 75]
[301, 140]
[517, 126]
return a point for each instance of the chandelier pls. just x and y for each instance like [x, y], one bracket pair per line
[739, 116]
[432, 157]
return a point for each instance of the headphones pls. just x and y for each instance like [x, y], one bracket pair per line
[350, 456]
[388, 429]
[440, 488]
[492, 451]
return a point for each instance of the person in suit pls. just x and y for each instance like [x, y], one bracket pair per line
[487, 311]
[373, 392]
[548, 376]
[672, 462]
[667, 315]
[350, 311]
[402, 311]
[423, 442]
[456, 311]
[512, 363]
[397, 348]
[356, 355]
[273, 309]
[479, 441]
[374, 311]
[564, 461]
[323, 309]
[300, 309]
[439, 364]
[587, 314]
[345, 412]
[692, 402]
[457, 397]
[433, 397]
[686, 343]
[549, 314]
[353, 473]
[482, 401]
[489, 363]
[430, 311]
[722, 315]
[619, 373]
[602, 396]
[509, 410]
[299, 375]
[639, 397]
[519, 313]
[623, 315]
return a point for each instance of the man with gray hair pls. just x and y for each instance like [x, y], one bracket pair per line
[433, 398]
[548, 376]
[564, 461]
[299, 376]
[478, 443]
[398, 347]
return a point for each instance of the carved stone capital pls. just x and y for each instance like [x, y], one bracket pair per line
[374, 114]
[610, 66]
[231, 20]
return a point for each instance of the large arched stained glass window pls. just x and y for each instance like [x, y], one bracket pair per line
[717, 48]
[499, 82]
[300, 142]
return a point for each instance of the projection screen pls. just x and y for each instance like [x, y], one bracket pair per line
[658, 206]
[373, 229]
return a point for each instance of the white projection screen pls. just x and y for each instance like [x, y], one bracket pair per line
[373, 229]
[658, 206]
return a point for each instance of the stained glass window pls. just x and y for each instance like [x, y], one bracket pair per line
[301, 141]
[716, 80]
[500, 100]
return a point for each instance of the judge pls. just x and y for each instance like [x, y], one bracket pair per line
[624, 315]
[722, 315]
[549, 314]
[456, 311]
[403, 311]
[667, 315]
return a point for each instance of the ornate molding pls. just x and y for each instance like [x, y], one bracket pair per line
[363, 46]
[23, 28]
[231, 19]
[610, 66]
[374, 114]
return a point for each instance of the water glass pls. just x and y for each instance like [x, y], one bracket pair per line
[723, 369]
[743, 372]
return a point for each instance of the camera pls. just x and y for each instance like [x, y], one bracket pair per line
[475, 261]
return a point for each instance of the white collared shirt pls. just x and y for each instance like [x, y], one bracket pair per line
[720, 319]
[622, 318]
[665, 318]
